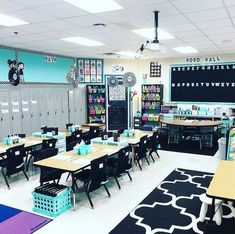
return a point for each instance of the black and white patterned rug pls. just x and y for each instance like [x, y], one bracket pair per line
[174, 207]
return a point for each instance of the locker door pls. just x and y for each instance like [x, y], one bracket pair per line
[71, 107]
[50, 108]
[64, 110]
[25, 113]
[16, 112]
[58, 107]
[5, 114]
[34, 111]
[80, 100]
[42, 109]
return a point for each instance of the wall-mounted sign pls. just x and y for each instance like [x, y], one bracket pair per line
[50, 59]
[155, 69]
[208, 59]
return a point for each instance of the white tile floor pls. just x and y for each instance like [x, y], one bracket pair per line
[108, 212]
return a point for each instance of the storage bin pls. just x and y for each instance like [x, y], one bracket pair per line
[5, 140]
[52, 206]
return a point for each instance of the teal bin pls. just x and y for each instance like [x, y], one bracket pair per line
[126, 133]
[5, 140]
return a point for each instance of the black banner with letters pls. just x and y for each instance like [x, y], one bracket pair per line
[203, 83]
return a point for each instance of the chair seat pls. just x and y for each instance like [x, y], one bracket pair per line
[83, 175]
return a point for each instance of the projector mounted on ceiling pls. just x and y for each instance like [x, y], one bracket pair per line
[153, 45]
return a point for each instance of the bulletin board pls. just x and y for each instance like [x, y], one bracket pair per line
[203, 83]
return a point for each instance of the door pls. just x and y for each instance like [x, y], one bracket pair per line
[58, 107]
[117, 106]
[71, 107]
[64, 109]
[5, 114]
[25, 106]
[80, 104]
[51, 108]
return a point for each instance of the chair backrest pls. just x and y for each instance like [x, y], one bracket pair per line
[46, 153]
[77, 136]
[21, 135]
[153, 141]
[97, 174]
[70, 145]
[94, 131]
[124, 160]
[49, 143]
[142, 150]
[68, 125]
[15, 158]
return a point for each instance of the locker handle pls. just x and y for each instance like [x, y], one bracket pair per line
[22, 116]
[12, 117]
[40, 114]
[31, 115]
[48, 113]
[55, 112]
[62, 112]
[1, 119]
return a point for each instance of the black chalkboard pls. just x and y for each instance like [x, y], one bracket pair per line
[203, 83]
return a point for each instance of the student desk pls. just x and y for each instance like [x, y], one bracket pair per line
[69, 162]
[222, 185]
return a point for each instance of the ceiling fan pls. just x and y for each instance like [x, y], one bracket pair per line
[153, 45]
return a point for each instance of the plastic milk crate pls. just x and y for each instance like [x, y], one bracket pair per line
[52, 206]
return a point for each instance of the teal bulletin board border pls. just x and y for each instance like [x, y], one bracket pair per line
[193, 65]
[92, 83]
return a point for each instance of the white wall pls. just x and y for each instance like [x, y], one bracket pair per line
[141, 66]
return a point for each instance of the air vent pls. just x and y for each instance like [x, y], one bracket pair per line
[99, 24]
[109, 53]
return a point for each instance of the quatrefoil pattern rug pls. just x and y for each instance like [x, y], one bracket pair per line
[174, 207]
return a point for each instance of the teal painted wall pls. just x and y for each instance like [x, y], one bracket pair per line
[38, 70]
[4, 56]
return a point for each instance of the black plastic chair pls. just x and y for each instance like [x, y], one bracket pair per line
[141, 151]
[21, 135]
[14, 162]
[70, 145]
[94, 178]
[116, 167]
[46, 143]
[93, 133]
[68, 125]
[152, 146]
[77, 136]
[49, 174]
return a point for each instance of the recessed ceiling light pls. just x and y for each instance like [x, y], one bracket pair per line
[82, 41]
[185, 50]
[7, 20]
[150, 33]
[96, 6]
[126, 53]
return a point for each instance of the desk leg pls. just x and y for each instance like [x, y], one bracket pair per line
[73, 189]
[213, 210]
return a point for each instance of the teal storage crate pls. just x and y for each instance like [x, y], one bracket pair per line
[52, 206]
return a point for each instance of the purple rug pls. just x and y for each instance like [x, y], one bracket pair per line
[14, 221]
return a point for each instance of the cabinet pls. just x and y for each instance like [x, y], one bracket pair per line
[96, 103]
[137, 122]
[151, 101]
[231, 145]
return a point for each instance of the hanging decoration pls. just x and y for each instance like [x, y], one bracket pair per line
[15, 74]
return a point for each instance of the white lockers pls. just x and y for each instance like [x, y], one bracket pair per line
[25, 108]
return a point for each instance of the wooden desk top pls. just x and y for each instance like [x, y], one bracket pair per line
[84, 130]
[70, 162]
[222, 185]
[27, 141]
[136, 138]
[87, 125]
[191, 123]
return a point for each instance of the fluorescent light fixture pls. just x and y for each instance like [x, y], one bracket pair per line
[96, 6]
[82, 41]
[185, 50]
[127, 53]
[7, 20]
[150, 33]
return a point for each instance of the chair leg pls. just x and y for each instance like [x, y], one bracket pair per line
[25, 175]
[139, 165]
[107, 190]
[68, 176]
[151, 156]
[28, 162]
[5, 178]
[157, 154]
[147, 160]
[117, 182]
[89, 198]
[129, 175]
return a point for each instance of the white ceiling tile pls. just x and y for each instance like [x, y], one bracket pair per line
[214, 24]
[231, 11]
[172, 20]
[62, 10]
[198, 5]
[221, 30]
[229, 2]
[179, 28]
[224, 36]
[8, 6]
[58, 25]
[33, 3]
[213, 14]
[31, 28]
[32, 16]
